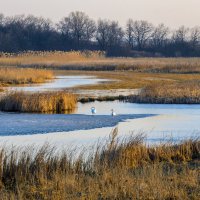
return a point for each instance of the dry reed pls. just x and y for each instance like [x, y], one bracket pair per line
[155, 88]
[50, 102]
[49, 57]
[96, 61]
[187, 92]
[10, 75]
[116, 170]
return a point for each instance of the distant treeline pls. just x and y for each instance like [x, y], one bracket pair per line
[79, 32]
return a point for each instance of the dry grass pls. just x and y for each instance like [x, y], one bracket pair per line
[96, 61]
[116, 170]
[156, 88]
[10, 75]
[187, 92]
[165, 80]
[50, 102]
[50, 58]
[131, 80]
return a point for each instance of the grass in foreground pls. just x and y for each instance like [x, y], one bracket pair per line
[11, 75]
[50, 102]
[117, 170]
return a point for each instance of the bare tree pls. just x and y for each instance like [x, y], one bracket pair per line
[159, 36]
[90, 29]
[1, 18]
[181, 35]
[78, 26]
[102, 35]
[129, 33]
[195, 36]
[139, 32]
[116, 34]
[109, 34]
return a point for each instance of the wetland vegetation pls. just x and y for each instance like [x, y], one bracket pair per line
[48, 102]
[16, 76]
[126, 169]
[151, 64]
[162, 80]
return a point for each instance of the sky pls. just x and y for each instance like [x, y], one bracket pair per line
[173, 13]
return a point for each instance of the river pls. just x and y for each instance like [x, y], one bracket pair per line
[157, 122]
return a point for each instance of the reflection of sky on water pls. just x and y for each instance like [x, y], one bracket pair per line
[60, 82]
[177, 121]
[130, 108]
[174, 121]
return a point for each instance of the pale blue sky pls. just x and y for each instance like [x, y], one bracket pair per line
[171, 12]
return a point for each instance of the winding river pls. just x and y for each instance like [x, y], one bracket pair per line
[157, 122]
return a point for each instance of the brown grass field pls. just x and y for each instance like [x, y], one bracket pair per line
[115, 170]
[96, 61]
[50, 102]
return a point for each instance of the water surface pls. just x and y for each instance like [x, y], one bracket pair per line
[60, 83]
[166, 121]
[170, 120]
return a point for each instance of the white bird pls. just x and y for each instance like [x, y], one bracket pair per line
[113, 113]
[93, 110]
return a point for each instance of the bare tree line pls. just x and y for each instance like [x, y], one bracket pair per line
[78, 31]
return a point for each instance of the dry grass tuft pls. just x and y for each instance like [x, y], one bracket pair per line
[10, 75]
[116, 170]
[50, 102]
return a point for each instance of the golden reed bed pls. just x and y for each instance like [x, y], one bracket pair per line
[187, 92]
[115, 170]
[11, 75]
[96, 60]
[49, 102]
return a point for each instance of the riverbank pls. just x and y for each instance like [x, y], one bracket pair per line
[141, 88]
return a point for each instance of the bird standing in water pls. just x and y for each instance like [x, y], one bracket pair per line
[93, 110]
[113, 113]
